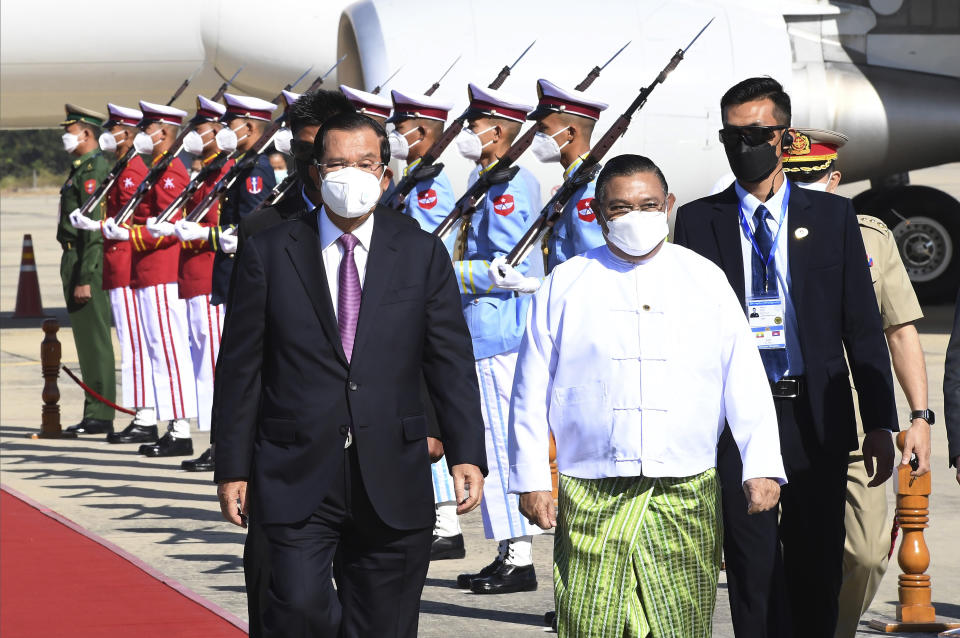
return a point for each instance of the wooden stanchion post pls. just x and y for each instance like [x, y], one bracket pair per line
[50, 354]
[915, 612]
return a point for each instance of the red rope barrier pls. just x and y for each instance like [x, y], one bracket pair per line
[95, 394]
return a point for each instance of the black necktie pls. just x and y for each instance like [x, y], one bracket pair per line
[764, 284]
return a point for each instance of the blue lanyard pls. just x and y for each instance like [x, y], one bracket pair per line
[773, 247]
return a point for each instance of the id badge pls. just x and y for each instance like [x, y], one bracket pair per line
[765, 315]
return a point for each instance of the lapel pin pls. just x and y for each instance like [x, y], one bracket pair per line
[801, 232]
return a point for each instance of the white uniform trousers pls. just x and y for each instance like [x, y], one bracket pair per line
[206, 324]
[163, 316]
[442, 482]
[501, 516]
[136, 374]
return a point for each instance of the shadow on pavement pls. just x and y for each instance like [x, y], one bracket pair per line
[460, 611]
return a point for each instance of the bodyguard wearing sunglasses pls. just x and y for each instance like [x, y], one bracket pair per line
[797, 257]
[335, 317]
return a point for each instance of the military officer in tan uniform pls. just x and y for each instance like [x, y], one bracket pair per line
[810, 163]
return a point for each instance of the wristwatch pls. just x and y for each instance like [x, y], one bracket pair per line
[926, 415]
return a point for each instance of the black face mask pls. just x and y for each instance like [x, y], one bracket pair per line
[751, 164]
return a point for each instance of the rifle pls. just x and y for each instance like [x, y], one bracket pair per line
[289, 86]
[316, 83]
[376, 89]
[428, 167]
[122, 162]
[590, 166]
[436, 85]
[504, 171]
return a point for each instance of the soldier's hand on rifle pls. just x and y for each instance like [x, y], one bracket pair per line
[190, 231]
[228, 240]
[112, 231]
[82, 222]
[505, 276]
[159, 229]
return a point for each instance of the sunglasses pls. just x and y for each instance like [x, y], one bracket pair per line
[751, 135]
[301, 150]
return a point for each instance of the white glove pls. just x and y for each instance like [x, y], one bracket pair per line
[190, 231]
[114, 232]
[159, 229]
[228, 240]
[507, 277]
[82, 222]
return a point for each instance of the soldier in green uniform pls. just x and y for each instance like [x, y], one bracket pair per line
[81, 269]
[810, 163]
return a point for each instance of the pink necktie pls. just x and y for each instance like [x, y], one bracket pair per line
[348, 295]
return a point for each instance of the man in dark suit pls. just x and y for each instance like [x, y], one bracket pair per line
[799, 256]
[951, 392]
[322, 413]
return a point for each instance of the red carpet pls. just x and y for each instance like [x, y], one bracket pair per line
[54, 581]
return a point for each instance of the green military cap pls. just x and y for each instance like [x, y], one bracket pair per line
[79, 114]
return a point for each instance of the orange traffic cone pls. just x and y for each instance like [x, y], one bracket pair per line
[28, 288]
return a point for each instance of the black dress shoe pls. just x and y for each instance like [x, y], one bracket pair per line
[203, 463]
[507, 579]
[447, 547]
[134, 433]
[92, 426]
[463, 580]
[168, 446]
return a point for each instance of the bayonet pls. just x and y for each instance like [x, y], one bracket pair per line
[436, 85]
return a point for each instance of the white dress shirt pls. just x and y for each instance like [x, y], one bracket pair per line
[332, 251]
[634, 368]
[778, 218]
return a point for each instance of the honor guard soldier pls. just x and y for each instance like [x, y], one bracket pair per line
[496, 319]
[810, 162]
[565, 121]
[136, 376]
[195, 271]
[418, 122]
[81, 268]
[163, 315]
[245, 120]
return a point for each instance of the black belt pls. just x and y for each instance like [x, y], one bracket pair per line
[787, 387]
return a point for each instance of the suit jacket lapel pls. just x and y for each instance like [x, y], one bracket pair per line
[726, 229]
[380, 260]
[304, 252]
[798, 248]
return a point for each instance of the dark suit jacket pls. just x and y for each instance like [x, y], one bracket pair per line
[834, 301]
[287, 396]
[290, 206]
[951, 388]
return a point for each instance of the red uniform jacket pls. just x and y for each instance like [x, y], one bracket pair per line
[116, 254]
[196, 257]
[155, 260]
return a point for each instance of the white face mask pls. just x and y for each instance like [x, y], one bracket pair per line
[545, 147]
[70, 142]
[143, 142]
[193, 143]
[399, 144]
[279, 174]
[281, 141]
[227, 140]
[638, 232]
[815, 186]
[350, 192]
[108, 141]
[469, 144]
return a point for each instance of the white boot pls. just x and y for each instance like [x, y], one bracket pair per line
[447, 523]
[145, 416]
[519, 551]
[179, 429]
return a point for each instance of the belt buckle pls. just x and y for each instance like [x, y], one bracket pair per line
[786, 389]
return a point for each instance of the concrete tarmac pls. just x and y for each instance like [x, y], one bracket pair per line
[171, 519]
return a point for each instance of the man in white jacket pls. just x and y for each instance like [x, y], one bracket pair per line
[634, 355]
